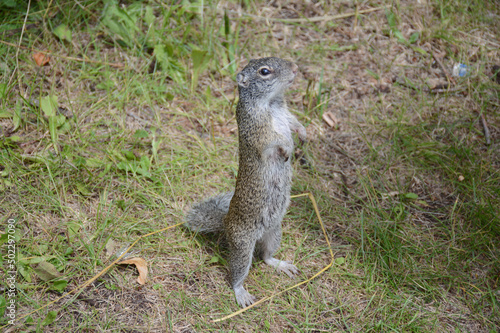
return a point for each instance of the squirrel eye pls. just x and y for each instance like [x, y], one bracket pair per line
[264, 71]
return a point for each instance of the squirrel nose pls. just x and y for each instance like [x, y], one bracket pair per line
[295, 68]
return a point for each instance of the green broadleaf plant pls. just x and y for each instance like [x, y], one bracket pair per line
[57, 123]
[63, 33]
[200, 61]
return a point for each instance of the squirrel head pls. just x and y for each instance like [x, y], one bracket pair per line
[265, 78]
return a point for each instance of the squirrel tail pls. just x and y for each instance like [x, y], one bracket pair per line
[207, 216]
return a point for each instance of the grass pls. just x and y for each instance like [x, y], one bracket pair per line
[94, 154]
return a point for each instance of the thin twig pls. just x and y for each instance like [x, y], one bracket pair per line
[317, 18]
[442, 90]
[450, 78]
[438, 89]
[486, 131]
[117, 65]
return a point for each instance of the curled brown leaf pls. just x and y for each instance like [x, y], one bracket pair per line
[41, 59]
[142, 267]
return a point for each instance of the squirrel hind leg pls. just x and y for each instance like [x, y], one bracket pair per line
[268, 245]
[240, 260]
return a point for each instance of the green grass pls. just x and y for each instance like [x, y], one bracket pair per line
[94, 154]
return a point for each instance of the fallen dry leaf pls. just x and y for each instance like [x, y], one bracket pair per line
[389, 194]
[330, 119]
[437, 84]
[142, 267]
[46, 271]
[41, 59]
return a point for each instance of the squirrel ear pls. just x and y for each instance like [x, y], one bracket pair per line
[242, 80]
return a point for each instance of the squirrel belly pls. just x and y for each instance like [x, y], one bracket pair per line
[207, 216]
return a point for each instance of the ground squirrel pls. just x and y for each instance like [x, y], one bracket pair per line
[251, 215]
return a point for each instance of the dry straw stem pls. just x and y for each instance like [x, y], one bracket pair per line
[116, 261]
[265, 299]
[17, 51]
[118, 65]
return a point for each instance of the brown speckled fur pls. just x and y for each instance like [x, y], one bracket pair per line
[261, 197]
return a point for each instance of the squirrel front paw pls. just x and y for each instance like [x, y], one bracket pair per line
[301, 131]
[283, 153]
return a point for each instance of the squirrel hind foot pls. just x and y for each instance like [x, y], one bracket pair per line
[283, 266]
[243, 297]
